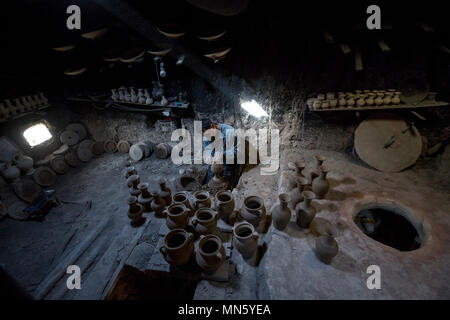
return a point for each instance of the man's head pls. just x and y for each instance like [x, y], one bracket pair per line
[208, 124]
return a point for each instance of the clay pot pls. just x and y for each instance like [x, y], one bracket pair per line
[177, 216]
[317, 104]
[145, 198]
[298, 166]
[129, 171]
[11, 172]
[351, 100]
[330, 95]
[245, 239]
[205, 221]
[320, 96]
[342, 101]
[370, 99]
[361, 102]
[135, 212]
[210, 254]
[305, 211]
[333, 102]
[388, 98]
[318, 163]
[253, 210]
[320, 184]
[296, 193]
[163, 150]
[325, 104]
[165, 192]
[23, 162]
[225, 205]
[178, 247]
[201, 200]
[326, 248]
[133, 182]
[396, 98]
[281, 214]
[157, 204]
[217, 182]
[379, 99]
[181, 197]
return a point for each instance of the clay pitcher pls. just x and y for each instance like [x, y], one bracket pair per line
[178, 247]
[224, 205]
[135, 212]
[202, 200]
[210, 254]
[129, 171]
[253, 210]
[296, 193]
[205, 221]
[316, 171]
[320, 184]
[245, 239]
[158, 204]
[177, 216]
[165, 192]
[133, 182]
[326, 248]
[182, 197]
[305, 211]
[298, 167]
[281, 214]
[145, 198]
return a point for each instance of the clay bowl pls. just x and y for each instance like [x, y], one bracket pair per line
[172, 31]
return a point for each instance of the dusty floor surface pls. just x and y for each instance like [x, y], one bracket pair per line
[30, 251]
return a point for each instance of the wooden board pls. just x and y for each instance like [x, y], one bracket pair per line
[425, 104]
[387, 143]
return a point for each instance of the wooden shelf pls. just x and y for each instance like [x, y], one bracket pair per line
[154, 105]
[425, 104]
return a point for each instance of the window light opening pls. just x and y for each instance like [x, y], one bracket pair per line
[37, 134]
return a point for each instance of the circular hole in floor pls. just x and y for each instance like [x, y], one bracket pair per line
[385, 224]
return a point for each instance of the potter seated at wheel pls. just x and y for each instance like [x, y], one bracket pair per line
[230, 171]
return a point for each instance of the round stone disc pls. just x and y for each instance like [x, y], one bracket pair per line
[136, 152]
[71, 158]
[110, 146]
[59, 165]
[387, 143]
[16, 212]
[79, 129]
[44, 176]
[84, 150]
[98, 148]
[123, 146]
[61, 150]
[69, 137]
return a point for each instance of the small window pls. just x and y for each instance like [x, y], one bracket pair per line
[37, 134]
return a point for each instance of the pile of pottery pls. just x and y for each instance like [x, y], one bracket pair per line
[20, 164]
[308, 186]
[357, 99]
[142, 96]
[11, 110]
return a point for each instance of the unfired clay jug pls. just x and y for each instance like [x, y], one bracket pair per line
[145, 198]
[165, 192]
[298, 167]
[320, 184]
[183, 198]
[224, 204]
[296, 193]
[350, 100]
[129, 171]
[396, 98]
[326, 248]
[133, 182]
[201, 200]
[205, 221]
[210, 254]
[305, 211]
[245, 239]
[253, 210]
[177, 216]
[23, 162]
[135, 212]
[178, 247]
[11, 172]
[379, 99]
[315, 172]
[158, 204]
[281, 214]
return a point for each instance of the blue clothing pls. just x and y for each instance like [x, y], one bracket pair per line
[225, 130]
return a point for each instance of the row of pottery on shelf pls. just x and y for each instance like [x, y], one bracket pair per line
[358, 99]
[22, 105]
[141, 97]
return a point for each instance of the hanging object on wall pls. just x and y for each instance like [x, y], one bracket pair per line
[172, 31]
[96, 34]
[388, 143]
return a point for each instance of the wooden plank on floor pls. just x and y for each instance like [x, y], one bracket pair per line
[60, 270]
